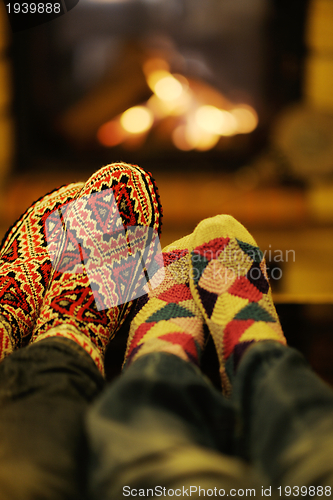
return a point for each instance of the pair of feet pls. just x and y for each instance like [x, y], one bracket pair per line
[73, 263]
[68, 266]
[215, 276]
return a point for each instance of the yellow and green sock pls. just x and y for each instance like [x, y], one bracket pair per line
[230, 286]
[167, 318]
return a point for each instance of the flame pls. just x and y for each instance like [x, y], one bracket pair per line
[137, 120]
[246, 118]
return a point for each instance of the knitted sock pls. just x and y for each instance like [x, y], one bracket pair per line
[167, 319]
[25, 268]
[230, 286]
[102, 261]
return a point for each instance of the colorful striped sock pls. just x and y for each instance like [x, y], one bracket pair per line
[25, 268]
[230, 286]
[96, 274]
[167, 319]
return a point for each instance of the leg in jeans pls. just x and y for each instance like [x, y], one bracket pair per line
[158, 412]
[45, 390]
[285, 410]
[81, 296]
[286, 415]
[162, 424]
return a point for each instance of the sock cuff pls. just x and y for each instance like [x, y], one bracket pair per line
[72, 333]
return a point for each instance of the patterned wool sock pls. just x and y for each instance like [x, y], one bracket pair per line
[167, 319]
[230, 286]
[25, 268]
[101, 262]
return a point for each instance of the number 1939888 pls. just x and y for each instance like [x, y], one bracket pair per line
[33, 8]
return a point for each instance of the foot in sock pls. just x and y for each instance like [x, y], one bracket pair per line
[167, 319]
[95, 273]
[230, 286]
[25, 268]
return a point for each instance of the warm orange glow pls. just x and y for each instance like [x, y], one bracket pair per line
[198, 138]
[183, 81]
[179, 138]
[177, 107]
[246, 118]
[155, 76]
[206, 142]
[168, 88]
[155, 64]
[111, 134]
[209, 118]
[202, 111]
[157, 107]
[137, 120]
[215, 121]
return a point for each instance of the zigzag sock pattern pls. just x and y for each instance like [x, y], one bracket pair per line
[25, 268]
[118, 196]
[167, 319]
[230, 286]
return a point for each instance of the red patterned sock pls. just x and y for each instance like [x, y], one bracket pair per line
[167, 319]
[230, 286]
[25, 268]
[102, 261]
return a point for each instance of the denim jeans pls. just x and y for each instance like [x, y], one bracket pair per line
[285, 414]
[161, 424]
[45, 391]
